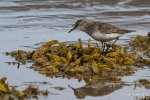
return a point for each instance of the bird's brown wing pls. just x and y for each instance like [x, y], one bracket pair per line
[109, 29]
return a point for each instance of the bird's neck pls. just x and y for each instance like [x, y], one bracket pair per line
[85, 28]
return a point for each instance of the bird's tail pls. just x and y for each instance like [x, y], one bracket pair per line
[128, 31]
[132, 30]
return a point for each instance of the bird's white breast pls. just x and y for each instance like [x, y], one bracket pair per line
[105, 37]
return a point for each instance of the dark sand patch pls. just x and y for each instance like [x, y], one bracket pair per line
[126, 13]
[142, 3]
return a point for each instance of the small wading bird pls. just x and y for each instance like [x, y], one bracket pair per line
[100, 31]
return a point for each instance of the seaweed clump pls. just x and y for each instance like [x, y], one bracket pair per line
[142, 82]
[85, 62]
[7, 93]
[141, 43]
[60, 59]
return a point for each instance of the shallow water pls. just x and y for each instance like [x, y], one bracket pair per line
[24, 23]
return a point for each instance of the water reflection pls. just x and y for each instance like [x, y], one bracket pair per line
[100, 89]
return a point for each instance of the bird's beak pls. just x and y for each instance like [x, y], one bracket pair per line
[72, 29]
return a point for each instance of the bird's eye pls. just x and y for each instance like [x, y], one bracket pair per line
[77, 24]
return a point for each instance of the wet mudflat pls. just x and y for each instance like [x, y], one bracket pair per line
[28, 24]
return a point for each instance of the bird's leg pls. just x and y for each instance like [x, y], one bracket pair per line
[115, 41]
[103, 45]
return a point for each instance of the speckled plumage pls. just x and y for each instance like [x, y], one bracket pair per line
[100, 31]
[91, 27]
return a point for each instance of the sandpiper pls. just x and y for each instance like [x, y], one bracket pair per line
[100, 31]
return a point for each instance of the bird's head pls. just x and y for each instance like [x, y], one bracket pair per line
[79, 24]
